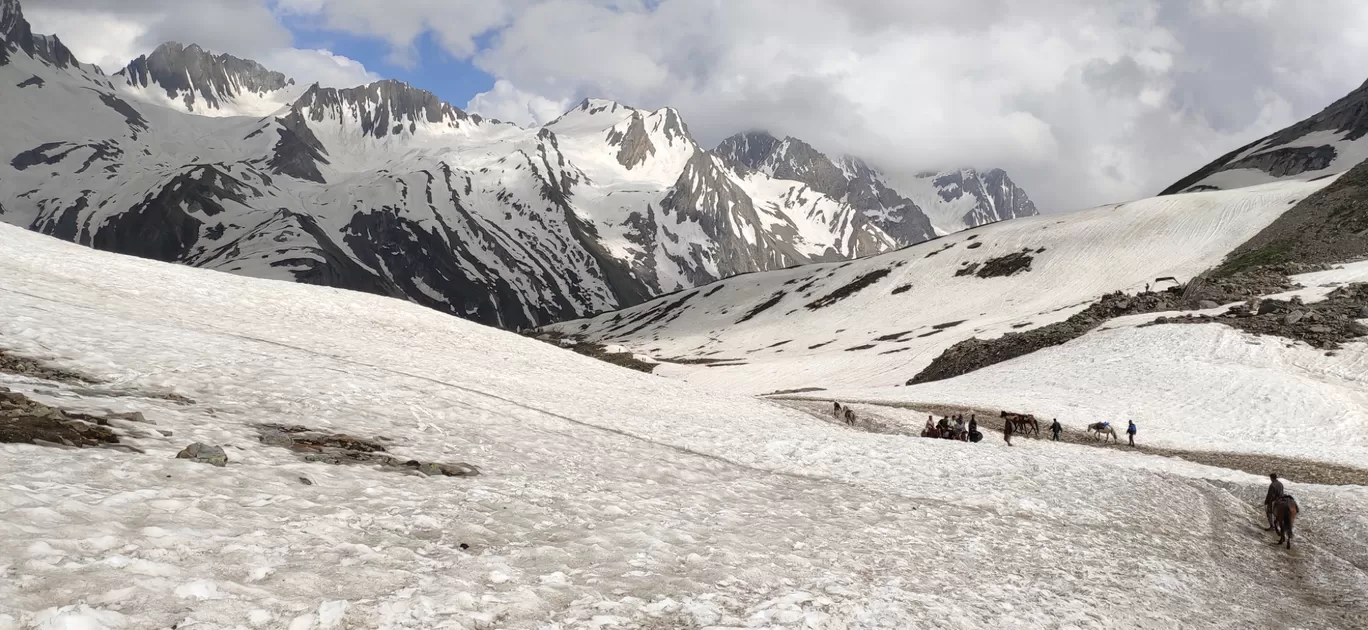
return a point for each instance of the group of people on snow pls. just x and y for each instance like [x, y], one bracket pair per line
[953, 428]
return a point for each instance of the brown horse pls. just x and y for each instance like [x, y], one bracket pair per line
[1022, 423]
[1284, 515]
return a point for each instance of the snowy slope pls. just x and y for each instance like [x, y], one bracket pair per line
[608, 498]
[1330, 142]
[882, 335]
[214, 161]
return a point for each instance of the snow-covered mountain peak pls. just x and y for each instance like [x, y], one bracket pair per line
[196, 81]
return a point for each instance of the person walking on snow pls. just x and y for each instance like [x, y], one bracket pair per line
[1275, 492]
[1055, 428]
[1007, 432]
[1130, 432]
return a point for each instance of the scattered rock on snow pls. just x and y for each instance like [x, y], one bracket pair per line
[204, 454]
[1293, 317]
[27, 421]
[340, 449]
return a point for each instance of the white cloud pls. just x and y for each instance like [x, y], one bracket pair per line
[97, 37]
[318, 66]
[113, 33]
[1083, 102]
[508, 103]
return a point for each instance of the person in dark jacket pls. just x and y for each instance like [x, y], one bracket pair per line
[1130, 432]
[1007, 432]
[1275, 492]
[973, 424]
[1055, 428]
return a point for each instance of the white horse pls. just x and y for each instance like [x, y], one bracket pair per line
[1100, 430]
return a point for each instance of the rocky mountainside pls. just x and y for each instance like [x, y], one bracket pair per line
[213, 161]
[1329, 142]
[192, 79]
[911, 210]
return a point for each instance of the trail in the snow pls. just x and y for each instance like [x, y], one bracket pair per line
[1290, 468]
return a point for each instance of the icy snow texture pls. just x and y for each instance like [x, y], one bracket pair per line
[610, 497]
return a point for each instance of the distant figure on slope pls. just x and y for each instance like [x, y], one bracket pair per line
[973, 425]
[1130, 432]
[1007, 432]
[943, 426]
[959, 428]
[1055, 428]
[849, 416]
[837, 409]
[930, 430]
[1275, 492]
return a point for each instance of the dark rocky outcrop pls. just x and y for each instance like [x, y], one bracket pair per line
[23, 366]
[999, 267]
[1326, 324]
[298, 153]
[26, 421]
[849, 289]
[634, 145]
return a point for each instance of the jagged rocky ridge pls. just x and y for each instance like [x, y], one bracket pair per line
[214, 161]
[953, 200]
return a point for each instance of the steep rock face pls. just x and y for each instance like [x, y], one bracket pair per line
[17, 36]
[886, 208]
[381, 109]
[789, 158]
[991, 196]
[199, 79]
[1332, 141]
[634, 145]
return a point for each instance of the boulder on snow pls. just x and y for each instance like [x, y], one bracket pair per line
[204, 454]
[131, 416]
[1207, 304]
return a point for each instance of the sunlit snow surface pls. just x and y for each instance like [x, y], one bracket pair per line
[610, 498]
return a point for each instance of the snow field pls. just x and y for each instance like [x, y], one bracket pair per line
[610, 498]
[1075, 259]
[1198, 386]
